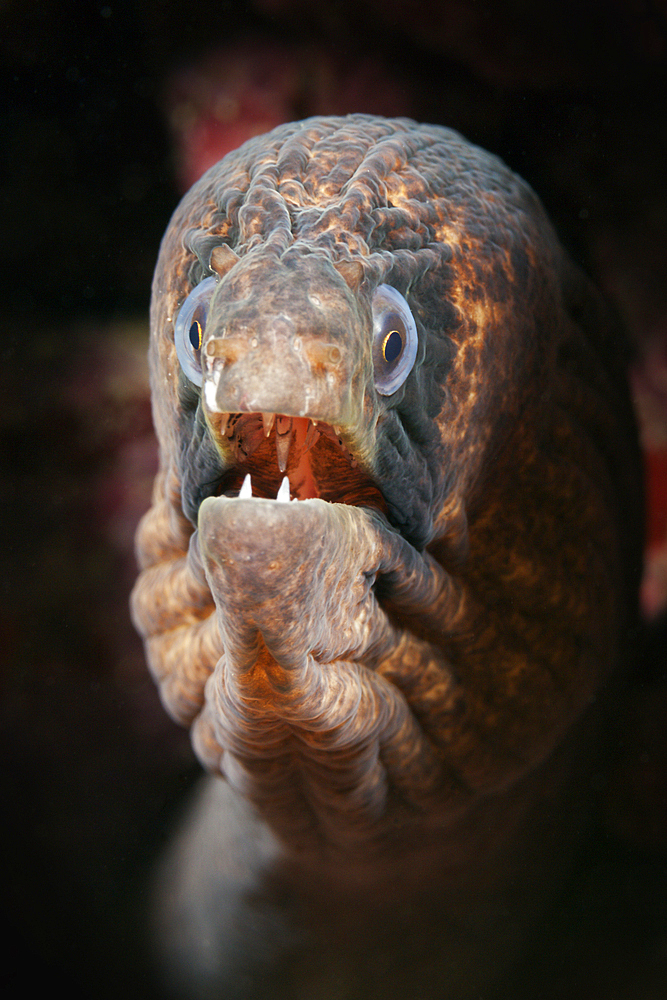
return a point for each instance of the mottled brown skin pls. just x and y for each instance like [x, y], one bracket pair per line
[388, 673]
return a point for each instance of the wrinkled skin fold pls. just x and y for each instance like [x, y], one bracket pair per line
[305, 640]
[390, 664]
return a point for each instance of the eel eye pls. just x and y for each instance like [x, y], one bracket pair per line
[189, 328]
[394, 339]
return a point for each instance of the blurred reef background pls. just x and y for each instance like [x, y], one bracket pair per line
[108, 113]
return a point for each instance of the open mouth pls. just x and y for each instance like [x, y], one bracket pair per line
[271, 448]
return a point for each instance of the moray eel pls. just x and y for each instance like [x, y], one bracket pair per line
[394, 544]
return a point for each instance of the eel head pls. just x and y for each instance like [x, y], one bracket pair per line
[392, 545]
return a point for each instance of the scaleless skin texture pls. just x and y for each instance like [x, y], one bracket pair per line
[387, 667]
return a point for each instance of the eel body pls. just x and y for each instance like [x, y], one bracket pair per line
[386, 642]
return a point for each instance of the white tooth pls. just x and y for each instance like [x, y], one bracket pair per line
[283, 492]
[210, 392]
[311, 436]
[283, 444]
[267, 421]
[246, 490]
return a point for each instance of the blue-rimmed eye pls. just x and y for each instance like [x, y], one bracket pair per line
[394, 339]
[189, 328]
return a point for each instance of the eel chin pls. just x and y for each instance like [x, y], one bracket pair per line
[297, 717]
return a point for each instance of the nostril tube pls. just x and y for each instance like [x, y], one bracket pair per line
[323, 355]
[226, 349]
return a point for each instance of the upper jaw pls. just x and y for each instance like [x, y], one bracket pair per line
[290, 338]
[280, 401]
[287, 349]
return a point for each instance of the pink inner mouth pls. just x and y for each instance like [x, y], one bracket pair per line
[312, 455]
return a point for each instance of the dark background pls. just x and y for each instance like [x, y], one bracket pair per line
[93, 158]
